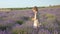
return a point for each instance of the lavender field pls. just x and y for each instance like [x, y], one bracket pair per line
[19, 21]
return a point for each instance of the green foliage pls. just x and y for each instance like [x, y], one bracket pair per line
[44, 23]
[25, 30]
[3, 28]
[19, 8]
[1, 18]
[18, 31]
[50, 17]
[20, 22]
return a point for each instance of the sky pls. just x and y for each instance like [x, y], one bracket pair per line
[27, 3]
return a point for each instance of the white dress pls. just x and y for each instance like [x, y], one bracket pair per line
[36, 23]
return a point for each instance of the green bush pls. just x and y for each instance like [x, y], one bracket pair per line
[50, 16]
[19, 22]
[18, 31]
[3, 28]
[24, 30]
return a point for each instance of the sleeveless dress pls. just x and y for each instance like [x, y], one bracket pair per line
[36, 20]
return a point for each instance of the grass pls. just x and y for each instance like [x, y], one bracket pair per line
[4, 26]
[18, 31]
[25, 30]
[20, 22]
[50, 17]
